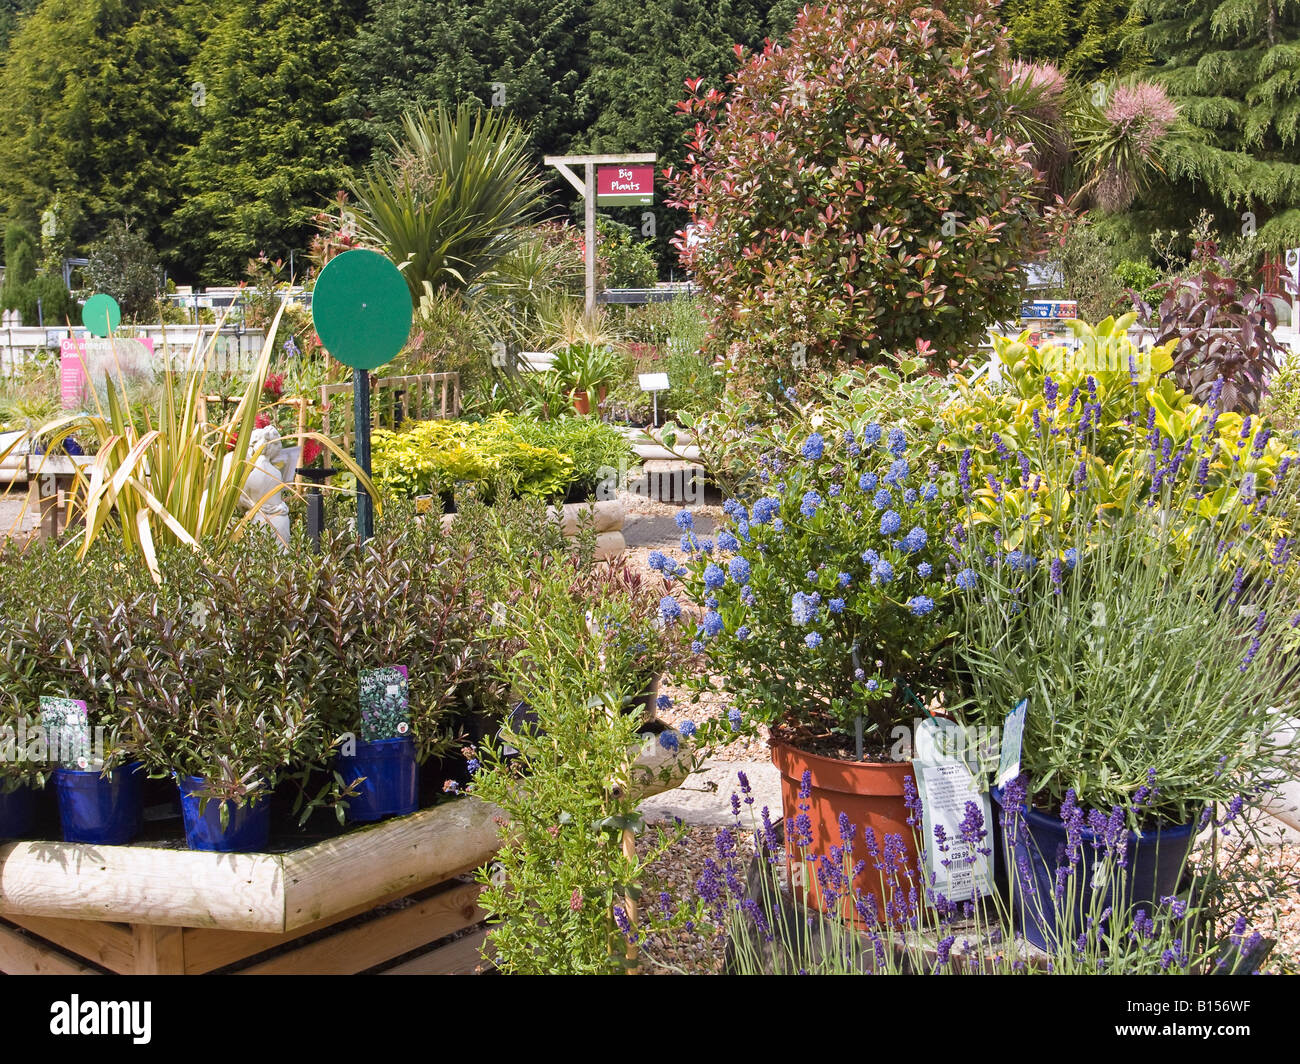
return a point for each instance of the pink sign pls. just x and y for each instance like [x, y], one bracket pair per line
[78, 359]
[625, 185]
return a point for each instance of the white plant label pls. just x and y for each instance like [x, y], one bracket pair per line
[1013, 737]
[948, 785]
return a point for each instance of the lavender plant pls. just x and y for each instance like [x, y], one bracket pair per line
[825, 600]
[740, 894]
[1149, 632]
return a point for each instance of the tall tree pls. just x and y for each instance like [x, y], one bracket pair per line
[526, 56]
[87, 97]
[12, 12]
[264, 109]
[1234, 67]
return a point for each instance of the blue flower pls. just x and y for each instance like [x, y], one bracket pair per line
[685, 520]
[882, 499]
[813, 640]
[889, 522]
[965, 579]
[870, 557]
[845, 579]
[740, 570]
[657, 560]
[811, 500]
[697, 647]
[742, 530]
[668, 740]
[712, 624]
[915, 540]
[765, 509]
[882, 571]
[813, 448]
[669, 608]
[714, 577]
[706, 547]
[803, 608]
[664, 702]
[924, 569]
[836, 605]
[871, 435]
[1071, 558]
[1018, 559]
[743, 632]
[920, 605]
[687, 728]
[873, 684]
[868, 482]
[898, 471]
[689, 545]
[778, 525]
[834, 491]
[929, 493]
[727, 541]
[791, 394]
[733, 717]
[897, 442]
[473, 765]
[733, 509]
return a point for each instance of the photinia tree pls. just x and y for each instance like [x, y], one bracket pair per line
[858, 191]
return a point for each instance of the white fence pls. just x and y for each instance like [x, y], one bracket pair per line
[233, 349]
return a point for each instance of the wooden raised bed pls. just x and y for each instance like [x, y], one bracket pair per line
[385, 898]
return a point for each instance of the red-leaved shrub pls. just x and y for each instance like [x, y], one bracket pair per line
[856, 191]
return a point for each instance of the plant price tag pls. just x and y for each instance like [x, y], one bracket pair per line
[385, 700]
[65, 723]
[961, 867]
[1013, 737]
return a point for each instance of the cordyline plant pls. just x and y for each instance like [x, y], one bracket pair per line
[858, 189]
[182, 478]
[1150, 633]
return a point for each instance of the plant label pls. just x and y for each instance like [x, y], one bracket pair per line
[958, 848]
[385, 703]
[1013, 737]
[66, 724]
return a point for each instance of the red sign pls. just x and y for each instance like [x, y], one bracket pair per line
[625, 185]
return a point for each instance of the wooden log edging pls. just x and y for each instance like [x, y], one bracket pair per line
[266, 893]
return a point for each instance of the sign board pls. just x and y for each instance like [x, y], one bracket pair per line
[625, 186]
[80, 358]
[1049, 309]
[653, 382]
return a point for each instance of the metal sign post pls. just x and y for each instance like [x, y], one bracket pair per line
[362, 312]
[586, 188]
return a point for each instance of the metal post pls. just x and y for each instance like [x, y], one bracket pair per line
[361, 430]
[589, 206]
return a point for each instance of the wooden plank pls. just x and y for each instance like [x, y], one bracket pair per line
[139, 884]
[111, 946]
[159, 950]
[20, 955]
[365, 945]
[339, 874]
[462, 957]
[207, 949]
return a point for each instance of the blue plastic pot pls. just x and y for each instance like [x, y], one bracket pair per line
[391, 786]
[1154, 862]
[106, 810]
[17, 810]
[248, 825]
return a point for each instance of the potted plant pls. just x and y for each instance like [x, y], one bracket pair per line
[99, 791]
[824, 603]
[587, 369]
[1148, 629]
[380, 763]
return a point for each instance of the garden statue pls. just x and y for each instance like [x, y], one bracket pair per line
[273, 468]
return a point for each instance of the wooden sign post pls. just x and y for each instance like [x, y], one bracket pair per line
[361, 308]
[586, 187]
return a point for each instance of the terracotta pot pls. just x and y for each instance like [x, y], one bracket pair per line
[870, 794]
[581, 402]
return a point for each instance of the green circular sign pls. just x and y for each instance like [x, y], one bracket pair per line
[361, 308]
[101, 314]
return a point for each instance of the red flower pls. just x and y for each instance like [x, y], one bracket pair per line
[274, 386]
[310, 451]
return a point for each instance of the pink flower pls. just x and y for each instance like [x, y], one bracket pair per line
[1143, 111]
[575, 902]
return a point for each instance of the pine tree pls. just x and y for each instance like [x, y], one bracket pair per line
[1109, 40]
[1234, 68]
[1041, 29]
[264, 110]
[87, 96]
